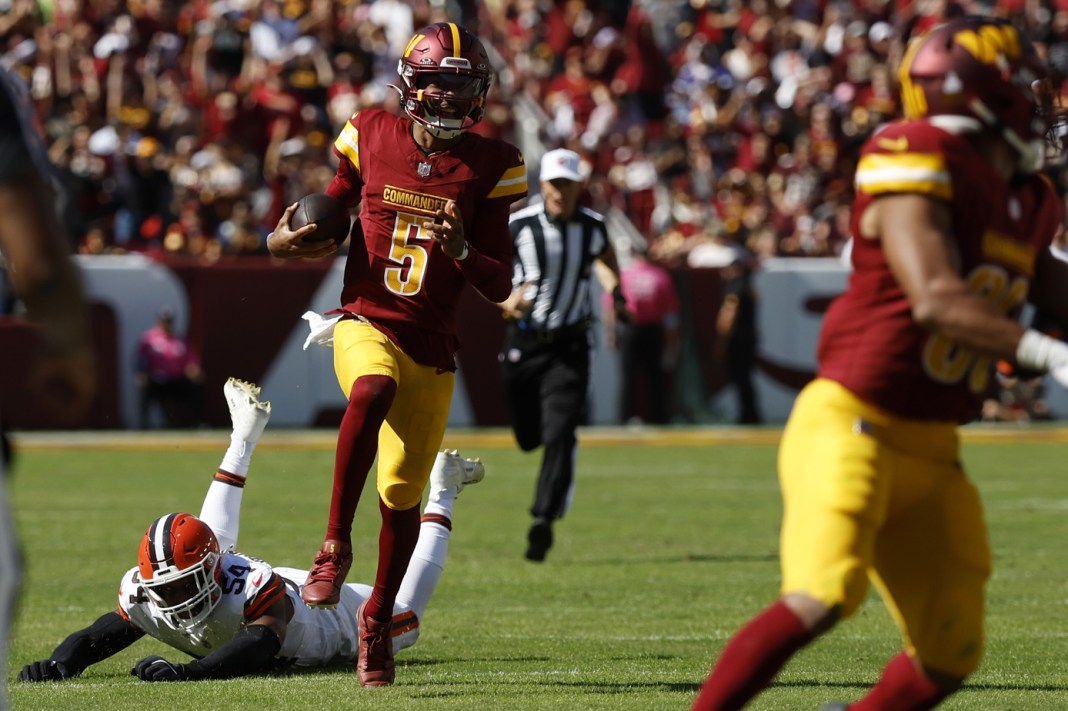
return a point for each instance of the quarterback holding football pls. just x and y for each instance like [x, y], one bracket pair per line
[434, 201]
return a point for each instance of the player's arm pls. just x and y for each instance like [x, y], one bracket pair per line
[110, 634]
[288, 243]
[488, 268]
[917, 239]
[252, 650]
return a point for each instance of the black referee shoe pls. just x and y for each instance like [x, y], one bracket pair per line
[539, 539]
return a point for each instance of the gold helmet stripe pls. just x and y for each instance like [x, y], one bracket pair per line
[411, 44]
[912, 97]
[455, 29]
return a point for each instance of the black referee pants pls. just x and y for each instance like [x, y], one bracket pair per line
[546, 375]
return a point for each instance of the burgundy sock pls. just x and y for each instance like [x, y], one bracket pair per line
[752, 658]
[396, 543]
[902, 687]
[357, 444]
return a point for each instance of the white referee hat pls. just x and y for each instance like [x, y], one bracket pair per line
[561, 163]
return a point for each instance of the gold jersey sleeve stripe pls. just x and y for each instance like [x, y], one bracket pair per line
[513, 181]
[925, 173]
[348, 144]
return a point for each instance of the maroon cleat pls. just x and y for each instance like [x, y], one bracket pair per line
[331, 565]
[374, 663]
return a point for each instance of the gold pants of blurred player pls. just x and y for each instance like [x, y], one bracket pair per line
[867, 495]
[415, 426]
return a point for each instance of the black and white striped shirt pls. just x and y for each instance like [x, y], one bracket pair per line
[556, 259]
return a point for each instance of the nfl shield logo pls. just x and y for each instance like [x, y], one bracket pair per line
[424, 170]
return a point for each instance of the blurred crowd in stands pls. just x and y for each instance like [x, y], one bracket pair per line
[186, 127]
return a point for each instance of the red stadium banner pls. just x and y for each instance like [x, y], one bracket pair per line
[243, 317]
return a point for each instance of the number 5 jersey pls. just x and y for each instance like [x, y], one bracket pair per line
[397, 276]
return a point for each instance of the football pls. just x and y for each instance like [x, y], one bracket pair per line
[329, 214]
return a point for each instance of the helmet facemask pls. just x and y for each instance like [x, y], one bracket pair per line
[1055, 118]
[455, 103]
[445, 78]
[186, 597]
[1039, 144]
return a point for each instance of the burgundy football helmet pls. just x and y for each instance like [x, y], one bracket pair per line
[453, 61]
[982, 68]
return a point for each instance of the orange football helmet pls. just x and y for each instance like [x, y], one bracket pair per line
[179, 564]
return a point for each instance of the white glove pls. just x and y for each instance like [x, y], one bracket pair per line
[1037, 351]
[322, 329]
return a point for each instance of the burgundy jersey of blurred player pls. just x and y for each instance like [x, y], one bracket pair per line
[398, 278]
[869, 342]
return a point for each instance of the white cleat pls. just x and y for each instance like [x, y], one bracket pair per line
[248, 415]
[451, 473]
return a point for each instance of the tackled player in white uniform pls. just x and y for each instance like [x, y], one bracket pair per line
[236, 614]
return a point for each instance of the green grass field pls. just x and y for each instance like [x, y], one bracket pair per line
[670, 546]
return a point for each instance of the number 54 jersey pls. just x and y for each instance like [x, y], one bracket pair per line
[249, 587]
[869, 342]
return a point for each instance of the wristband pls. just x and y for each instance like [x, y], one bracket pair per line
[463, 254]
[1038, 351]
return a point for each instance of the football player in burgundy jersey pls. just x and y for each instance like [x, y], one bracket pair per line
[434, 204]
[237, 614]
[951, 228]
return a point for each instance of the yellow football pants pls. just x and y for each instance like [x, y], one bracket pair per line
[867, 495]
[415, 426]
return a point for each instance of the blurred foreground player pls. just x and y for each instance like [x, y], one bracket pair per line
[236, 614]
[951, 227]
[434, 212]
[36, 253]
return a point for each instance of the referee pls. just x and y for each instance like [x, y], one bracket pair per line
[545, 361]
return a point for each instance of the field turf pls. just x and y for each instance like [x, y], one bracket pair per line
[670, 546]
